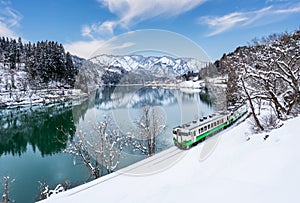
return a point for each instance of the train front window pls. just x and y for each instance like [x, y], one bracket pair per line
[184, 134]
[174, 132]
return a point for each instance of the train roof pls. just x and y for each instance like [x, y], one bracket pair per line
[236, 106]
[199, 122]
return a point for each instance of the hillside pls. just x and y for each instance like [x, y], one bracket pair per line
[225, 168]
[41, 72]
[266, 74]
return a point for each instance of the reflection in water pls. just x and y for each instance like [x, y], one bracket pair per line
[37, 126]
[107, 98]
[123, 104]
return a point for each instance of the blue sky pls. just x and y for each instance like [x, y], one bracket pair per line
[218, 26]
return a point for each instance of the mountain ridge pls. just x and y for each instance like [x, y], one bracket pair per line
[138, 68]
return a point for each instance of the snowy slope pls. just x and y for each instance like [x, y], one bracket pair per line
[16, 89]
[237, 170]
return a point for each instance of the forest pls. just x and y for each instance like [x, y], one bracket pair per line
[42, 63]
[266, 74]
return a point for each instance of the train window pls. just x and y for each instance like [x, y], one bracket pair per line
[205, 128]
[174, 132]
[201, 130]
[184, 134]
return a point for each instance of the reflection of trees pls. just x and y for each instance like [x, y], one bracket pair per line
[132, 96]
[217, 96]
[80, 109]
[205, 97]
[37, 126]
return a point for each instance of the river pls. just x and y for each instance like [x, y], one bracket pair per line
[32, 141]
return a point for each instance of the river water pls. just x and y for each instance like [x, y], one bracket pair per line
[32, 143]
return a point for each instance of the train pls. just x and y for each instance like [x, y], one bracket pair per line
[190, 134]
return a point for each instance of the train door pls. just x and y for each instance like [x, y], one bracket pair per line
[179, 136]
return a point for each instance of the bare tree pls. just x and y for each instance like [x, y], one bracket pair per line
[80, 151]
[7, 182]
[45, 192]
[99, 150]
[148, 129]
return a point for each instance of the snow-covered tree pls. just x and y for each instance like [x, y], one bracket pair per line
[99, 150]
[268, 73]
[149, 127]
[7, 183]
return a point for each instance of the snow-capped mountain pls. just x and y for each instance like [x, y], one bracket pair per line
[148, 68]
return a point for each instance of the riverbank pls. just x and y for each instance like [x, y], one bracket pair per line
[35, 97]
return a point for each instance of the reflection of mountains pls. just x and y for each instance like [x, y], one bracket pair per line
[133, 97]
[37, 126]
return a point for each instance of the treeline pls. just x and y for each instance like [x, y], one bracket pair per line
[44, 62]
[266, 73]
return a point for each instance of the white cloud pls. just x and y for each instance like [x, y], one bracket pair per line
[6, 31]
[131, 12]
[288, 10]
[220, 24]
[9, 19]
[89, 49]
[83, 49]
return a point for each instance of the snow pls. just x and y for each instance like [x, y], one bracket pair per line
[225, 168]
[163, 66]
[192, 84]
[23, 94]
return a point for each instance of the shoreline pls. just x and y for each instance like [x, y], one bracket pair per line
[17, 99]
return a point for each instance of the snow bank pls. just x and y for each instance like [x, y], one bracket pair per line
[237, 170]
[192, 84]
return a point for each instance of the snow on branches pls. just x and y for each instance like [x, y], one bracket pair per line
[267, 73]
[99, 150]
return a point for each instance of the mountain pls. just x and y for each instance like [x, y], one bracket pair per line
[137, 68]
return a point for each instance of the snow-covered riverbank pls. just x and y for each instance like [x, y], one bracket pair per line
[238, 169]
[33, 97]
[16, 89]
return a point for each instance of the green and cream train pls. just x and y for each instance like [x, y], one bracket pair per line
[189, 134]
